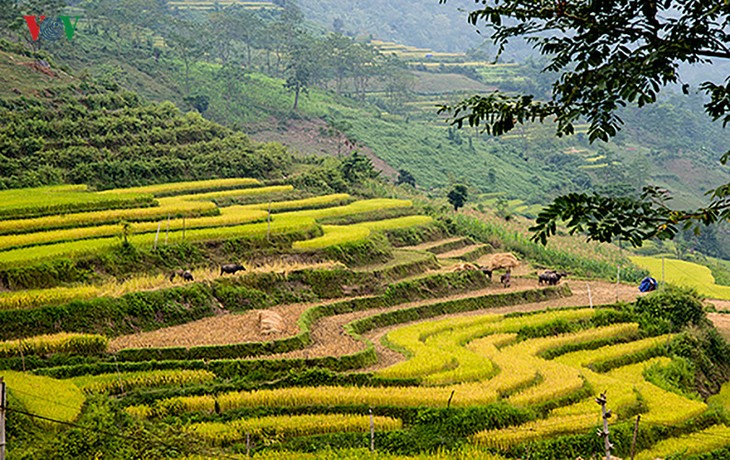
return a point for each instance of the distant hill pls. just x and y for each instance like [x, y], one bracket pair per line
[424, 23]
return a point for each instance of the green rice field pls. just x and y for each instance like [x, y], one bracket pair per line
[685, 274]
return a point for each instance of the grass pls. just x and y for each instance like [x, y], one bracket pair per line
[40, 201]
[437, 346]
[336, 199]
[244, 192]
[341, 234]
[234, 215]
[462, 453]
[125, 381]
[685, 274]
[38, 297]
[722, 399]
[179, 188]
[62, 342]
[586, 358]
[288, 426]
[698, 442]
[478, 360]
[168, 207]
[44, 396]
[280, 224]
[664, 407]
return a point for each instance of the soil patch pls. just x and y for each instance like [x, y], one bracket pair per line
[722, 323]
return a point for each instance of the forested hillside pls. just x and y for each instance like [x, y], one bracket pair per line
[90, 135]
[376, 96]
[426, 24]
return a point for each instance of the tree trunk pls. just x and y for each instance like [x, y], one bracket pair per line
[187, 75]
[296, 98]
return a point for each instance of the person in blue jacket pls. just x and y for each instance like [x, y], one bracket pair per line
[648, 284]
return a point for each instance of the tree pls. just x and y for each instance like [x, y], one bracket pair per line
[606, 55]
[199, 102]
[457, 196]
[405, 177]
[185, 38]
[357, 168]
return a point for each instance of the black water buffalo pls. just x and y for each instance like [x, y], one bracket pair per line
[487, 272]
[184, 274]
[231, 268]
[551, 277]
[543, 277]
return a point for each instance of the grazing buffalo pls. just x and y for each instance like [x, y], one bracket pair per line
[550, 277]
[487, 272]
[544, 277]
[505, 279]
[184, 274]
[231, 268]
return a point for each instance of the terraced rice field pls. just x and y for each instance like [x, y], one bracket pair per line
[685, 274]
[449, 354]
[172, 213]
[289, 354]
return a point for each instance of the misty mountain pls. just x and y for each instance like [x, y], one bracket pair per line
[423, 23]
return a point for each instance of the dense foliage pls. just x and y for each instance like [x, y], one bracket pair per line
[113, 139]
[602, 67]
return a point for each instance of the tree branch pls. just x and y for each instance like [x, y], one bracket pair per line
[717, 54]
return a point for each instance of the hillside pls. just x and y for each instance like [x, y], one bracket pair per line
[389, 115]
[338, 309]
[424, 24]
[192, 267]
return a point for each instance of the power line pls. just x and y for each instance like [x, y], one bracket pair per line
[52, 401]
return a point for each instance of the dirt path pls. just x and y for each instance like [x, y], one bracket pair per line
[456, 253]
[722, 323]
[330, 339]
[328, 335]
[225, 329]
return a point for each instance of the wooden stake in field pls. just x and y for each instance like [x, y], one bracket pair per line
[605, 414]
[3, 404]
[157, 235]
[590, 297]
[618, 279]
[372, 432]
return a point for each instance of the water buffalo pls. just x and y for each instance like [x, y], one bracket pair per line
[544, 277]
[231, 268]
[184, 274]
[487, 272]
[551, 277]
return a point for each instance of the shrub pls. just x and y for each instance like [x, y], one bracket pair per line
[680, 306]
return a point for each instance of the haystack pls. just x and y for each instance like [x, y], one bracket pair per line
[503, 260]
[270, 322]
[464, 266]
